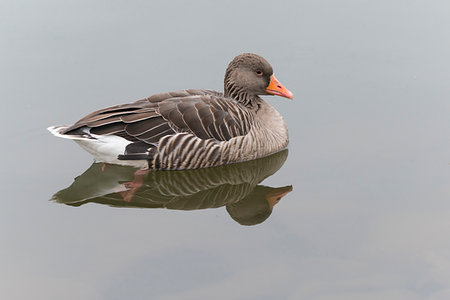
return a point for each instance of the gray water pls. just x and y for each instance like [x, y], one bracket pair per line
[368, 169]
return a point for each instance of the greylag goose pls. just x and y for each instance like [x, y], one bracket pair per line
[193, 128]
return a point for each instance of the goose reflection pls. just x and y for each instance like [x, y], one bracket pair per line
[235, 186]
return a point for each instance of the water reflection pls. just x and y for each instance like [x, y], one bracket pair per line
[234, 186]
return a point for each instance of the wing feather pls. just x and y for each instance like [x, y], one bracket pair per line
[139, 116]
[108, 129]
[203, 113]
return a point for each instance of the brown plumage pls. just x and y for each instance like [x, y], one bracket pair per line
[190, 128]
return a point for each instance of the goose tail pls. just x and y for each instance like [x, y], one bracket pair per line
[58, 131]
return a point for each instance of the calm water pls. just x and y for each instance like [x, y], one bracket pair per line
[365, 207]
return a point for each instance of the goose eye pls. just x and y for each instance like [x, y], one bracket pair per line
[259, 72]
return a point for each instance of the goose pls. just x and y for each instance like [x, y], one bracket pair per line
[193, 128]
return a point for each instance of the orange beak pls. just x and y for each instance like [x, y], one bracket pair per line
[276, 88]
[275, 195]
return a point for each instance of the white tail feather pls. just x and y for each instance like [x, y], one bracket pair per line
[103, 148]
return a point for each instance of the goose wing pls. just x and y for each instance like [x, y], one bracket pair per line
[203, 113]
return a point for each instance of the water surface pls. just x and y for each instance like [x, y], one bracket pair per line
[368, 216]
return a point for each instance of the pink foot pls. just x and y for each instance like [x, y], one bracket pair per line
[134, 185]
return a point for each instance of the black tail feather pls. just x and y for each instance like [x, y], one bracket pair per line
[134, 157]
[138, 151]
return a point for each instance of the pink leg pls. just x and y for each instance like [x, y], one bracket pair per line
[134, 185]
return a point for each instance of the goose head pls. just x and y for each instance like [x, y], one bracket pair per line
[249, 75]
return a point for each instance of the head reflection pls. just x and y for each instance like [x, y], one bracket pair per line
[234, 186]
